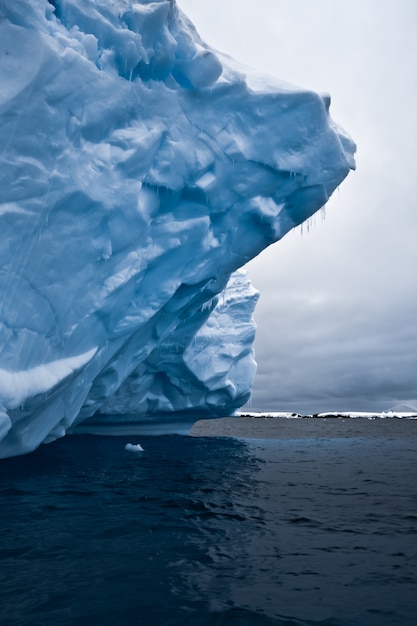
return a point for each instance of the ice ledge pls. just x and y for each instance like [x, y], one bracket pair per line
[17, 387]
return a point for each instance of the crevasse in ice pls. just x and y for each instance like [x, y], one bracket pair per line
[139, 170]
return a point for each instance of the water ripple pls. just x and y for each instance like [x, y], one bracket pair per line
[209, 532]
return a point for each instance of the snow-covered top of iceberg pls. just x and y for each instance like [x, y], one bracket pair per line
[139, 170]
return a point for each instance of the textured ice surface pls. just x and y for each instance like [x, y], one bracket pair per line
[139, 171]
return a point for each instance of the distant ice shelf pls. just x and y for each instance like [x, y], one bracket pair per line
[332, 414]
[139, 171]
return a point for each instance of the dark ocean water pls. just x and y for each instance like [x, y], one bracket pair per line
[211, 531]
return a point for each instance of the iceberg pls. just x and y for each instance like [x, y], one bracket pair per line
[134, 447]
[140, 170]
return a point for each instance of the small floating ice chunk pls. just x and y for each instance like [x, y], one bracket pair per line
[134, 447]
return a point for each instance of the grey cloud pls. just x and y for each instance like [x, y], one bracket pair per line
[338, 308]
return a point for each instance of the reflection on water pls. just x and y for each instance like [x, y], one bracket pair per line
[210, 531]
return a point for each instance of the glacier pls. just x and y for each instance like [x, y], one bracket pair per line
[140, 170]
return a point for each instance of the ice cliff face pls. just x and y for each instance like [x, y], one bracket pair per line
[139, 170]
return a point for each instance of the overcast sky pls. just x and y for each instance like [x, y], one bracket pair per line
[337, 317]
